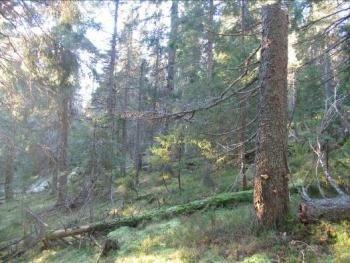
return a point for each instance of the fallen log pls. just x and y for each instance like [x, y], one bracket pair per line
[330, 209]
[132, 221]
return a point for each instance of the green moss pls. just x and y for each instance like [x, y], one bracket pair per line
[68, 255]
[257, 258]
[341, 247]
[223, 234]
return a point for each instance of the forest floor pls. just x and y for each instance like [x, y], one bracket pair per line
[227, 234]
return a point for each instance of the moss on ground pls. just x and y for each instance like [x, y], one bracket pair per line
[222, 235]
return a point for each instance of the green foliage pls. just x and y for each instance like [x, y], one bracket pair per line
[165, 151]
[48, 54]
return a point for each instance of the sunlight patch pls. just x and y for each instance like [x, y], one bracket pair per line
[44, 256]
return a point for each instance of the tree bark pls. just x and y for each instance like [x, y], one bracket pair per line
[271, 196]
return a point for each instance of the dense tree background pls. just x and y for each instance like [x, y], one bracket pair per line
[105, 103]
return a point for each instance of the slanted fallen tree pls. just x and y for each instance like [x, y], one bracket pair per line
[331, 209]
[327, 208]
[133, 221]
[59, 235]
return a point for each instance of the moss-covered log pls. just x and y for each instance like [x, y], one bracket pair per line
[132, 221]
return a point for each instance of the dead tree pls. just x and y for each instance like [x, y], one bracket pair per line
[219, 200]
[327, 208]
[333, 209]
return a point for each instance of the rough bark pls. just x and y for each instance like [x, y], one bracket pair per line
[271, 179]
[132, 221]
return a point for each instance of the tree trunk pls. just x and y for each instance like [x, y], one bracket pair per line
[93, 170]
[126, 102]
[9, 171]
[243, 105]
[62, 151]
[328, 78]
[271, 196]
[210, 36]
[172, 46]
[138, 154]
[54, 179]
[179, 161]
[155, 95]
[111, 106]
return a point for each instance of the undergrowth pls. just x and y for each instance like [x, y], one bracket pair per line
[212, 235]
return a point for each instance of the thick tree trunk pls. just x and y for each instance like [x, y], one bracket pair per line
[271, 179]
